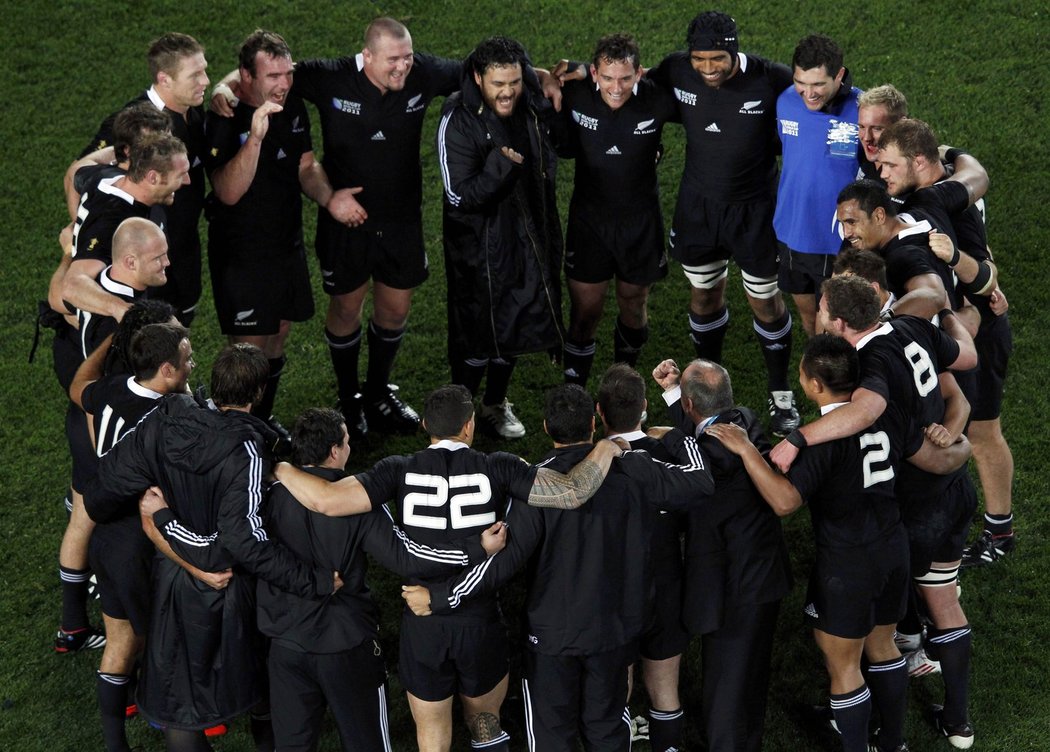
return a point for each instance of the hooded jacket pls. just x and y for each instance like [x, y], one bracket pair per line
[204, 660]
[502, 235]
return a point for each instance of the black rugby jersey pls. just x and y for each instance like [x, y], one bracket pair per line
[371, 139]
[848, 485]
[103, 206]
[900, 361]
[731, 137]
[267, 220]
[185, 213]
[616, 150]
[93, 327]
[449, 491]
[908, 255]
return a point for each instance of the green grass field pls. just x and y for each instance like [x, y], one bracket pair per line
[977, 72]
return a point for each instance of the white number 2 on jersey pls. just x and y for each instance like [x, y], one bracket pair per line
[922, 369]
[876, 448]
[464, 490]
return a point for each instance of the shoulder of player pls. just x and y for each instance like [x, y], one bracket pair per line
[322, 65]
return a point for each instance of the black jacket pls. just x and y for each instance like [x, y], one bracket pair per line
[734, 551]
[204, 661]
[502, 236]
[589, 576]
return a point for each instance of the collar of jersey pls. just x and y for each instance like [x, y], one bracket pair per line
[154, 97]
[922, 228]
[142, 391]
[106, 282]
[825, 409]
[450, 444]
[884, 329]
[629, 436]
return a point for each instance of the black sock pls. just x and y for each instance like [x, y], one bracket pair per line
[262, 732]
[74, 598]
[383, 345]
[469, 372]
[665, 729]
[852, 712]
[912, 622]
[500, 744]
[708, 333]
[498, 381]
[888, 681]
[999, 524]
[952, 648]
[628, 343]
[177, 740]
[112, 693]
[264, 408]
[345, 353]
[775, 340]
[577, 357]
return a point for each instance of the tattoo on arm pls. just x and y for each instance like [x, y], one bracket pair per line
[484, 727]
[566, 491]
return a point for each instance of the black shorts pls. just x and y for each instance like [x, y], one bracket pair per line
[567, 696]
[938, 527]
[121, 557]
[183, 288]
[66, 355]
[628, 245]
[804, 273]
[441, 657]
[81, 448]
[853, 590]
[391, 253]
[352, 683]
[666, 635]
[254, 297]
[705, 230]
[983, 386]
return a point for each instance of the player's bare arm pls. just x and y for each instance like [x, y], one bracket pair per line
[233, 179]
[863, 410]
[571, 490]
[968, 171]
[340, 498]
[82, 290]
[777, 490]
[153, 501]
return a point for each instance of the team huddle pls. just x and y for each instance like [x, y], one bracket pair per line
[233, 582]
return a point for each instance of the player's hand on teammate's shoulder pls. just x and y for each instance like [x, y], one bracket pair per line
[223, 100]
[658, 432]
[733, 437]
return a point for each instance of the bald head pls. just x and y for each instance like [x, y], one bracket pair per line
[140, 254]
[706, 389]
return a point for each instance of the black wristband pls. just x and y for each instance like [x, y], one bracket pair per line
[955, 257]
[796, 439]
[944, 312]
[952, 154]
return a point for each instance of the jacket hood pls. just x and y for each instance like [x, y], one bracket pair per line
[196, 438]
